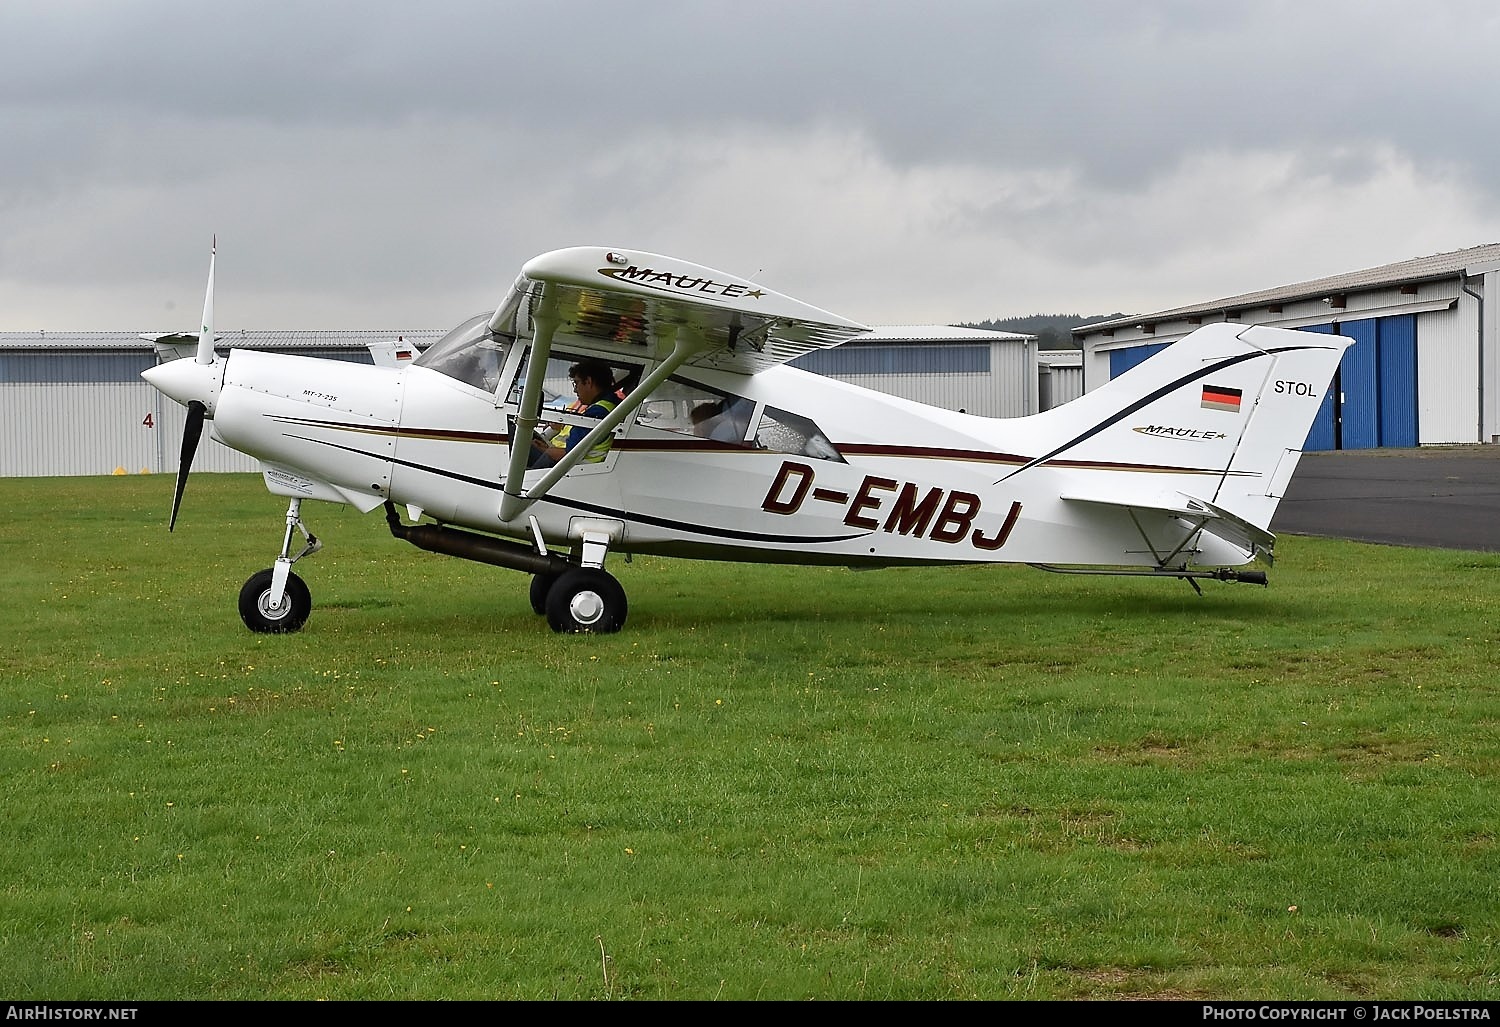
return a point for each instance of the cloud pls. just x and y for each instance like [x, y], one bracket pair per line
[389, 165]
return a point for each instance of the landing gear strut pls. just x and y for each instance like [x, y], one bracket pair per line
[276, 601]
[574, 597]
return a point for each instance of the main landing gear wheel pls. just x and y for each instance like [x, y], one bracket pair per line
[586, 600]
[259, 615]
[541, 584]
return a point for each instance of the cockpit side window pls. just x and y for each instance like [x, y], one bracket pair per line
[685, 406]
[690, 408]
[557, 385]
[471, 353]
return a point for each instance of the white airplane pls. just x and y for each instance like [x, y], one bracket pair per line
[1173, 469]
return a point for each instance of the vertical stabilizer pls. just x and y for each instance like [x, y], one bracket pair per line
[1219, 416]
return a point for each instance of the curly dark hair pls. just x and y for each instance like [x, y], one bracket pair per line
[596, 371]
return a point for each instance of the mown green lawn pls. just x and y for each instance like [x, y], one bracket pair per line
[775, 783]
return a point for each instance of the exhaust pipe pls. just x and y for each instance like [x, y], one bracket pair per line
[468, 545]
[1243, 577]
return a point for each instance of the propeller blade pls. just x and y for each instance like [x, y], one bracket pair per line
[205, 353]
[192, 431]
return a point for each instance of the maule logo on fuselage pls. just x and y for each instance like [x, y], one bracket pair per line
[1162, 431]
[667, 281]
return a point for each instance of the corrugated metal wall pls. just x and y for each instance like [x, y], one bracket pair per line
[1059, 377]
[59, 368]
[1014, 375]
[965, 392]
[1448, 361]
[1067, 384]
[865, 359]
[98, 428]
[991, 379]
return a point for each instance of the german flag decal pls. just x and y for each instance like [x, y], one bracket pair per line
[1217, 397]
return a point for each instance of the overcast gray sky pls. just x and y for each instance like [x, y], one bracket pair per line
[390, 165]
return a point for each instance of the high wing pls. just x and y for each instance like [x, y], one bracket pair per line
[645, 305]
[629, 300]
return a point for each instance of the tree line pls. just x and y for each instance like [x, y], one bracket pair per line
[1051, 330]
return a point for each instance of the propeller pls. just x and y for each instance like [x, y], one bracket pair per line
[197, 410]
[192, 431]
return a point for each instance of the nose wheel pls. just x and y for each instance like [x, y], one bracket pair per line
[262, 613]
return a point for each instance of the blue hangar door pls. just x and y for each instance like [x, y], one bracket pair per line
[1122, 360]
[1373, 401]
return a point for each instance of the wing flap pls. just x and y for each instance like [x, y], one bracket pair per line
[627, 301]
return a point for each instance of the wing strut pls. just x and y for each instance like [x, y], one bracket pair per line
[514, 503]
[545, 319]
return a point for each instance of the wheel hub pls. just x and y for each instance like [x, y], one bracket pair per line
[586, 607]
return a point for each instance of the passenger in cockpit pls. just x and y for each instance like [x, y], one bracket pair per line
[721, 420]
[707, 418]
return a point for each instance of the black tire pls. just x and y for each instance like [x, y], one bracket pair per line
[586, 600]
[296, 604]
[541, 584]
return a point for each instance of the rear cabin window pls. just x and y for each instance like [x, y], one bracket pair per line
[690, 408]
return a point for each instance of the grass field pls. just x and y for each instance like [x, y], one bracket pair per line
[775, 783]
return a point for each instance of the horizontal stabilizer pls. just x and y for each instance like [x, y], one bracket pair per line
[172, 345]
[391, 352]
[1211, 517]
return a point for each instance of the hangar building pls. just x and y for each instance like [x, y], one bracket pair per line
[75, 403]
[1424, 368]
[973, 370]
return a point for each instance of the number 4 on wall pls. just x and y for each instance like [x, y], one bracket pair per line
[150, 421]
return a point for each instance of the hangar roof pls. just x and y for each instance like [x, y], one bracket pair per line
[1418, 269]
[338, 340]
[936, 333]
[132, 341]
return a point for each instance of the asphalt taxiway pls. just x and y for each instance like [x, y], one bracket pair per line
[1442, 497]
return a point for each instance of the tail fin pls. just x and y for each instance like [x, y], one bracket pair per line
[1293, 389]
[1220, 416]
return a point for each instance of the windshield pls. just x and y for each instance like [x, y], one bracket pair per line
[471, 353]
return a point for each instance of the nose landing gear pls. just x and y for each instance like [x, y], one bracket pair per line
[276, 601]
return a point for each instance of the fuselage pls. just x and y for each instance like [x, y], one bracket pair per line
[821, 471]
